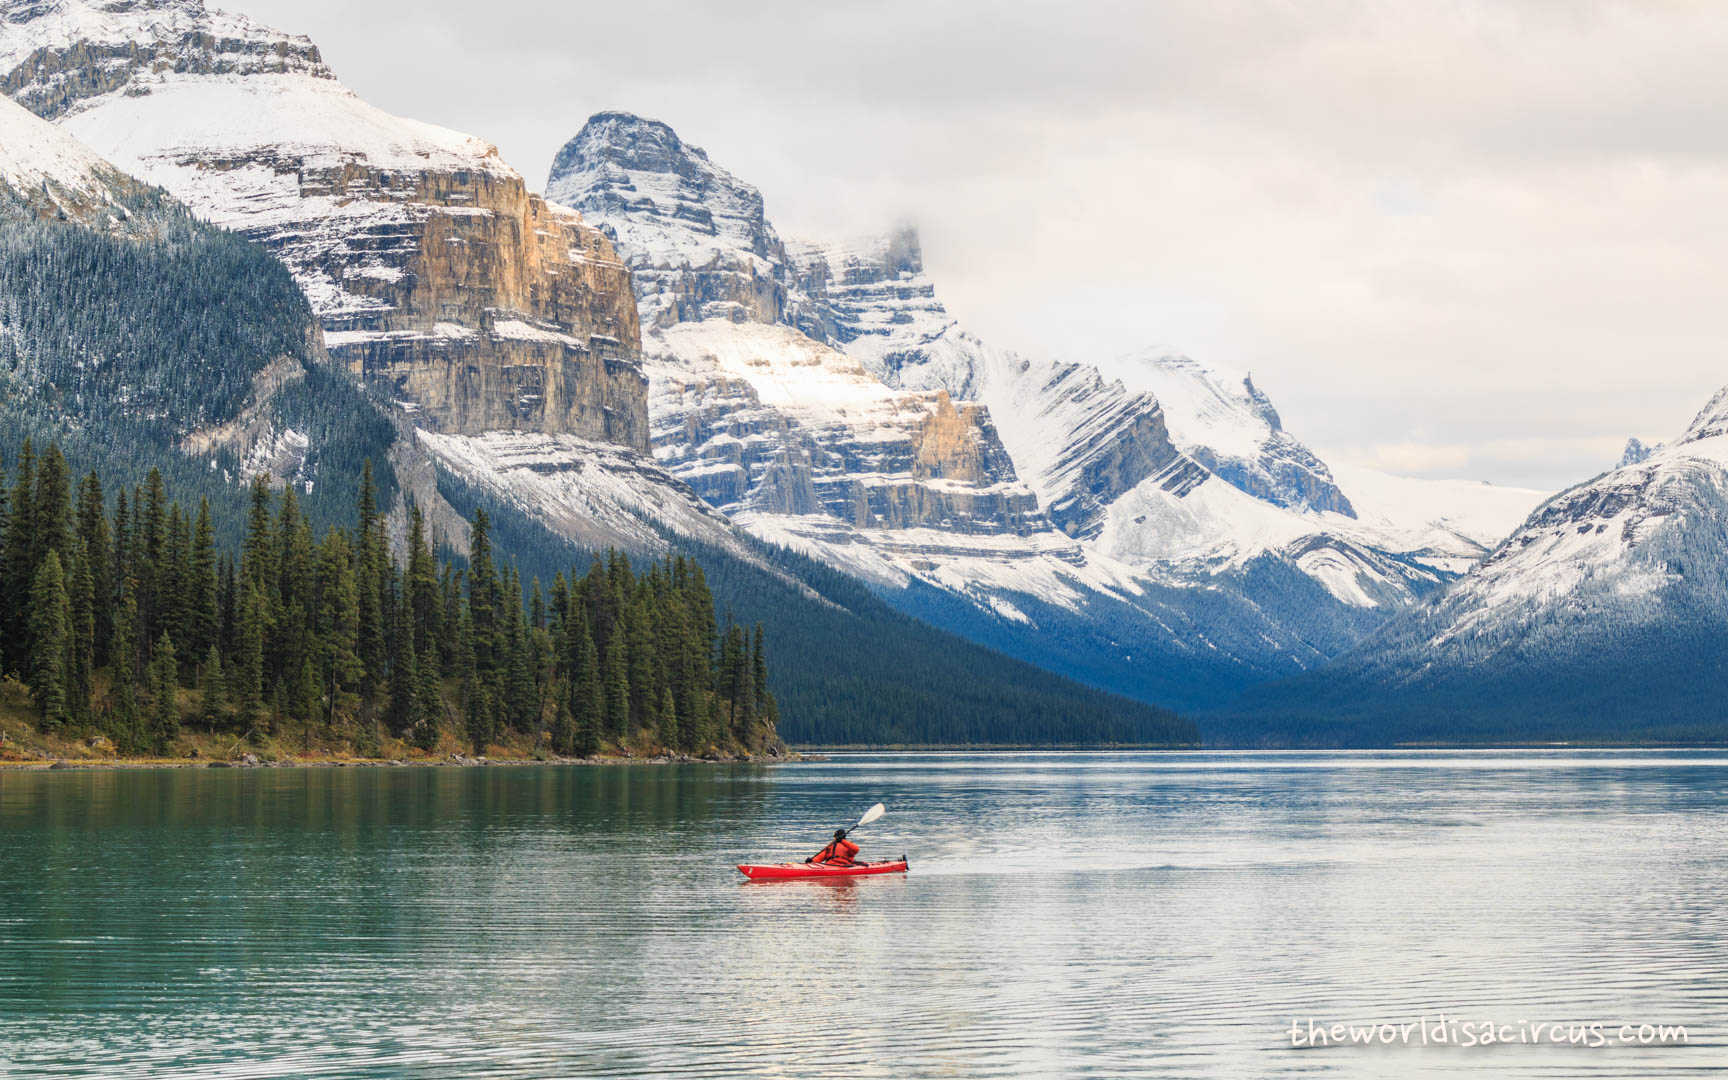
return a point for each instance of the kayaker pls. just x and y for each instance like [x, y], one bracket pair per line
[838, 853]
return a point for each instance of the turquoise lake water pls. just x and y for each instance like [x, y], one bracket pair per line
[1110, 915]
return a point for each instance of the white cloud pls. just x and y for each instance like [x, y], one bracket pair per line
[1486, 224]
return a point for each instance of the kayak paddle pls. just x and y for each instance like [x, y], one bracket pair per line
[869, 815]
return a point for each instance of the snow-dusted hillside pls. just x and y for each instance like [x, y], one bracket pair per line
[46, 172]
[1604, 614]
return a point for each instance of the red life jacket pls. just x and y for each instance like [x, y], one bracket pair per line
[838, 853]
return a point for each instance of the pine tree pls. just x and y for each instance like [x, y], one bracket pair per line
[126, 724]
[21, 566]
[50, 619]
[53, 517]
[164, 683]
[404, 682]
[97, 542]
[152, 539]
[644, 702]
[248, 688]
[520, 695]
[424, 598]
[81, 635]
[203, 624]
[372, 614]
[589, 703]
[483, 593]
[341, 623]
[279, 633]
[476, 712]
[215, 705]
[617, 680]
[563, 730]
[766, 707]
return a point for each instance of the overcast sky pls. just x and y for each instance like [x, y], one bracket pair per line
[1449, 238]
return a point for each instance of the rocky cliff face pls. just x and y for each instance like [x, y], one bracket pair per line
[745, 413]
[439, 277]
[697, 237]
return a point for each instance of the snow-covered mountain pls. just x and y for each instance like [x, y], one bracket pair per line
[440, 279]
[49, 174]
[1159, 515]
[1604, 614]
[1228, 425]
[1636, 452]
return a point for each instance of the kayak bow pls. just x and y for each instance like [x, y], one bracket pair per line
[786, 871]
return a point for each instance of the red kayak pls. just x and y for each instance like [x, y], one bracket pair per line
[785, 871]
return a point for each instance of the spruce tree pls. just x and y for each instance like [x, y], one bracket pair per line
[164, 684]
[404, 685]
[203, 624]
[248, 688]
[50, 619]
[53, 517]
[563, 730]
[215, 704]
[21, 566]
[520, 694]
[589, 704]
[372, 614]
[97, 541]
[476, 712]
[644, 702]
[483, 593]
[428, 700]
[341, 622]
[151, 542]
[766, 707]
[617, 680]
[126, 728]
[81, 635]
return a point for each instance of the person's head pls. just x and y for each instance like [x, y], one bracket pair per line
[839, 834]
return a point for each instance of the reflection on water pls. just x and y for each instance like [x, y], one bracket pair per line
[1158, 915]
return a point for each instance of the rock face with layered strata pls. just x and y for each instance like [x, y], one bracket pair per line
[761, 418]
[438, 276]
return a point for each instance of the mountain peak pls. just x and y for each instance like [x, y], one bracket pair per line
[697, 237]
[1226, 423]
[1711, 421]
[140, 46]
[1636, 452]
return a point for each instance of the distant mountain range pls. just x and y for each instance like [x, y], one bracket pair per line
[1158, 532]
[1603, 617]
[640, 359]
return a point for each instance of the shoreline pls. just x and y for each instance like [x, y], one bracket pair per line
[452, 761]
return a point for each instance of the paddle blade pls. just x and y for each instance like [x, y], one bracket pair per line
[871, 815]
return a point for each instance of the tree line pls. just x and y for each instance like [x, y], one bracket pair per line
[119, 614]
